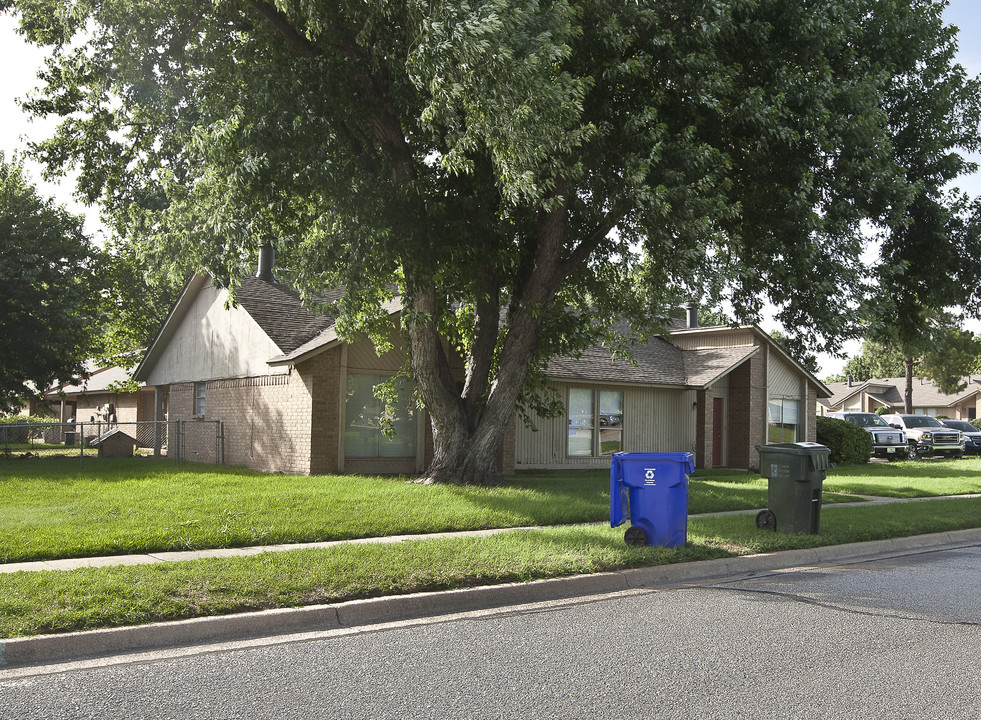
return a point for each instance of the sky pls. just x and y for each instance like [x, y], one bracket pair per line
[22, 61]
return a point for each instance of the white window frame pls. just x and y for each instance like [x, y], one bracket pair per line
[595, 427]
[772, 423]
[200, 398]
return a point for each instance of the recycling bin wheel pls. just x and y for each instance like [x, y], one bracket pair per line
[635, 536]
[766, 520]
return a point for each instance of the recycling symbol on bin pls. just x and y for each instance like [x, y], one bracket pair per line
[649, 476]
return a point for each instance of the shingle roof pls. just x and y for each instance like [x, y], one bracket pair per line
[657, 363]
[278, 310]
[891, 391]
[703, 367]
[99, 380]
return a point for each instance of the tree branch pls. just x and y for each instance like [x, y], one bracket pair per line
[585, 248]
[297, 40]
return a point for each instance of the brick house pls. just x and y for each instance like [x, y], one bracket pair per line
[295, 398]
[101, 395]
[870, 395]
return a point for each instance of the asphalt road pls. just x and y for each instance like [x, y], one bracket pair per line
[896, 638]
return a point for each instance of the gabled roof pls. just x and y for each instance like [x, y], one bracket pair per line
[891, 392]
[281, 314]
[657, 362]
[300, 334]
[704, 367]
[99, 380]
[276, 308]
[721, 331]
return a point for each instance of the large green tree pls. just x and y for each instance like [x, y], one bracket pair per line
[930, 254]
[49, 289]
[511, 166]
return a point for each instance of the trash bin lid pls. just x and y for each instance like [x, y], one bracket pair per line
[794, 448]
[679, 457]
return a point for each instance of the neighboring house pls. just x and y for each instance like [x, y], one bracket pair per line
[101, 397]
[870, 395]
[293, 397]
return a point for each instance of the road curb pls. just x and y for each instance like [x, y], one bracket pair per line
[66, 647]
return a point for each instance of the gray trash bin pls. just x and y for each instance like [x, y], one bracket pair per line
[796, 473]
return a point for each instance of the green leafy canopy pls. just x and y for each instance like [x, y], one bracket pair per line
[524, 172]
[49, 289]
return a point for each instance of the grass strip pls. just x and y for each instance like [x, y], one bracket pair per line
[34, 603]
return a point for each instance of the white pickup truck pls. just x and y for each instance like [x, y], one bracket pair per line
[928, 436]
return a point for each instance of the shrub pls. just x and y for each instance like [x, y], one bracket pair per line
[848, 443]
[976, 422]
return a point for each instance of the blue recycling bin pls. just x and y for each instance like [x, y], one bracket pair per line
[652, 488]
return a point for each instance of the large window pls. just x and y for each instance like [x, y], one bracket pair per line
[374, 431]
[595, 422]
[783, 420]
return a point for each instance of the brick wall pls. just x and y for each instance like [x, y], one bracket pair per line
[747, 413]
[281, 423]
[321, 376]
[810, 402]
[704, 419]
[126, 406]
[740, 418]
[266, 422]
[757, 408]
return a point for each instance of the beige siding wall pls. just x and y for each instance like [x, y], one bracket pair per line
[654, 420]
[714, 339]
[783, 379]
[213, 342]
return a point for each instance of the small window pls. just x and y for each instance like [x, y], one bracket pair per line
[595, 422]
[199, 388]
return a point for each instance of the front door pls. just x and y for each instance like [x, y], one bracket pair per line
[718, 410]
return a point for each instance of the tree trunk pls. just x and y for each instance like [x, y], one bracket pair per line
[468, 430]
[466, 458]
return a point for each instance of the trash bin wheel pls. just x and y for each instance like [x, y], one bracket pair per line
[635, 536]
[766, 520]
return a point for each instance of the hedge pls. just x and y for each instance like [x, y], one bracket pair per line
[848, 443]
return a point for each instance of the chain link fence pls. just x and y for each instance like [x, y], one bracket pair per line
[180, 440]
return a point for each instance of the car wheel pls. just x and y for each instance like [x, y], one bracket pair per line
[913, 452]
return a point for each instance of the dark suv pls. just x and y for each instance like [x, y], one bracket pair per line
[927, 436]
[972, 435]
[887, 441]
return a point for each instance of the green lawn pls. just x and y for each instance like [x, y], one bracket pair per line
[51, 508]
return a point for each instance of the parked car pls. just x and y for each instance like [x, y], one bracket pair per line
[972, 436]
[887, 441]
[926, 436]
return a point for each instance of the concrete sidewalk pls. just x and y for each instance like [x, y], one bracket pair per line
[70, 647]
[177, 556]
